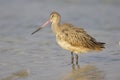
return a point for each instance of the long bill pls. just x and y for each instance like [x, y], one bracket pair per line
[43, 25]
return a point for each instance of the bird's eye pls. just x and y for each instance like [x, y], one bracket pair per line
[52, 16]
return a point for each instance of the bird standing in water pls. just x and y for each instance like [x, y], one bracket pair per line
[71, 38]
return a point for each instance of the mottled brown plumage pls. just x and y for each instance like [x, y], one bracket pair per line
[71, 38]
[77, 40]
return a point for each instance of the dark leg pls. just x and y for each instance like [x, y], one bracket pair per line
[72, 58]
[76, 58]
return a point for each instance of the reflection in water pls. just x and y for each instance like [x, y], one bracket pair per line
[17, 75]
[85, 73]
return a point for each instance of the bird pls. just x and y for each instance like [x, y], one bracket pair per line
[72, 38]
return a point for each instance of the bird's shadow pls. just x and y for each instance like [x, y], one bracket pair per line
[87, 72]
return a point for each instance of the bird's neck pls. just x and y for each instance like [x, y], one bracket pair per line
[55, 27]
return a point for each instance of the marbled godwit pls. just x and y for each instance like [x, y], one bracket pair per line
[71, 38]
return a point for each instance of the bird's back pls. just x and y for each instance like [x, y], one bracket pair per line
[77, 40]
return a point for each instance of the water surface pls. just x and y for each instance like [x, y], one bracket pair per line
[40, 54]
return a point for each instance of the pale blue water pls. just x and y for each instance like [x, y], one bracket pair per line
[40, 54]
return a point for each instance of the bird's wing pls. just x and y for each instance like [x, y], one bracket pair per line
[76, 37]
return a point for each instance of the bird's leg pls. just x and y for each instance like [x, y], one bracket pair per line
[72, 58]
[76, 58]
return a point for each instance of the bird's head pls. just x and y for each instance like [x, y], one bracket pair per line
[54, 19]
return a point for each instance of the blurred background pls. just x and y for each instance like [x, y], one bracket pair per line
[40, 54]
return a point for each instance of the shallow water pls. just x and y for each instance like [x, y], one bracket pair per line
[39, 53]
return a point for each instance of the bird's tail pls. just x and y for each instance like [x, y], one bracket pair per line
[100, 46]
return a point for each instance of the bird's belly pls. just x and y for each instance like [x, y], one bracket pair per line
[64, 45]
[67, 46]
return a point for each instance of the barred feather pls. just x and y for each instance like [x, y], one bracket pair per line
[77, 38]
